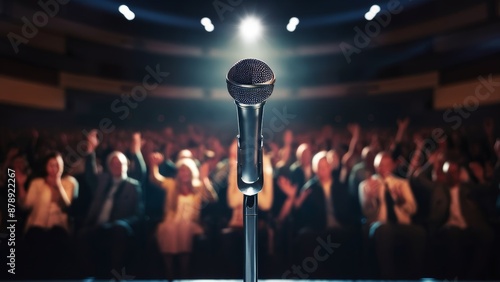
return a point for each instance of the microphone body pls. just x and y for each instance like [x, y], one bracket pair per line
[250, 175]
[250, 82]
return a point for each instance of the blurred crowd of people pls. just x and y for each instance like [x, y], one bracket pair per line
[348, 202]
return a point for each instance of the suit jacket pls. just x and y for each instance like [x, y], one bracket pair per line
[312, 213]
[127, 202]
[440, 202]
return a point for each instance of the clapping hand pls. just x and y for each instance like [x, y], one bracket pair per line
[372, 187]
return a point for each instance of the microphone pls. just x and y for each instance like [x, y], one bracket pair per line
[250, 82]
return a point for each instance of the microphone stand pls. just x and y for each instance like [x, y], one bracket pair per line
[250, 209]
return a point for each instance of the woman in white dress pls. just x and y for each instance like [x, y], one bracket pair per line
[47, 228]
[185, 195]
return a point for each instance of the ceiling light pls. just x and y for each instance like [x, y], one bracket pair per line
[372, 12]
[126, 12]
[206, 21]
[250, 28]
[209, 27]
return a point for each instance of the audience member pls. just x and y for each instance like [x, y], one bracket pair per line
[185, 194]
[388, 204]
[48, 227]
[114, 218]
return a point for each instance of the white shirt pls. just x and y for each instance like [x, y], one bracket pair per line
[108, 203]
[45, 213]
[456, 218]
[331, 221]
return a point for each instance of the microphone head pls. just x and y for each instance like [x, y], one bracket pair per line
[250, 81]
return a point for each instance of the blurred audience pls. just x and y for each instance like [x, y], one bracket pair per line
[404, 203]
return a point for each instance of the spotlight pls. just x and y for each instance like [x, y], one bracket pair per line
[123, 9]
[292, 24]
[290, 27]
[206, 21]
[250, 28]
[126, 12]
[130, 16]
[372, 13]
[209, 27]
[294, 21]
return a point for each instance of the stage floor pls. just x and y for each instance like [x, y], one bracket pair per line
[267, 280]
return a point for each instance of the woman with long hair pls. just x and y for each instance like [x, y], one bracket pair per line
[47, 227]
[185, 195]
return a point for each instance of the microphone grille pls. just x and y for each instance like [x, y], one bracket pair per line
[250, 81]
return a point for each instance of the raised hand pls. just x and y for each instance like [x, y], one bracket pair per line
[155, 158]
[287, 187]
[137, 142]
[403, 123]
[354, 129]
[419, 140]
[92, 141]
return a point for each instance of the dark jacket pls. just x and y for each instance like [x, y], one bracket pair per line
[440, 201]
[312, 213]
[297, 175]
[127, 204]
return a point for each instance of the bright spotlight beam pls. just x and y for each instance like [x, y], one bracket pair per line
[250, 28]
[126, 12]
[206, 21]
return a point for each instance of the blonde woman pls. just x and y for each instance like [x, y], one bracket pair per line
[185, 195]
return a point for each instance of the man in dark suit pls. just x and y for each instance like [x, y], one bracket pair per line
[456, 224]
[115, 212]
[323, 210]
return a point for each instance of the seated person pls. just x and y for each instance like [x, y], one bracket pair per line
[114, 215]
[322, 211]
[457, 224]
[388, 204]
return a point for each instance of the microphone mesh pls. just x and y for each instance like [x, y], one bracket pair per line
[250, 72]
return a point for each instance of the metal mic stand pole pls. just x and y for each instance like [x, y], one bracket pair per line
[250, 229]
